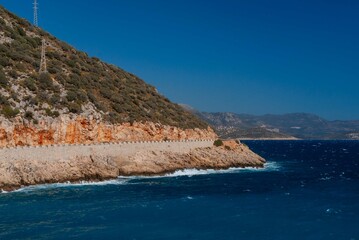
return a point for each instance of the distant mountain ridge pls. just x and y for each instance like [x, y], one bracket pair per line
[297, 125]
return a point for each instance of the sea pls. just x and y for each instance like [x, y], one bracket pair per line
[307, 190]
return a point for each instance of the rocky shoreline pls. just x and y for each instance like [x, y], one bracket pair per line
[19, 173]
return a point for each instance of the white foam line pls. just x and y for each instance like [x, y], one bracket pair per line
[272, 166]
[68, 184]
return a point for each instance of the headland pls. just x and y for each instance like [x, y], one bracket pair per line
[24, 166]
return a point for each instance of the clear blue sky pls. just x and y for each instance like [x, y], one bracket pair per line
[244, 56]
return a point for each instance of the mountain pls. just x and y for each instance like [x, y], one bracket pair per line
[298, 125]
[229, 125]
[74, 80]
[77, 94]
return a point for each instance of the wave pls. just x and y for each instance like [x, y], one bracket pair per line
[268, 167]
[66, 184]
[271, 166]
[192, 172]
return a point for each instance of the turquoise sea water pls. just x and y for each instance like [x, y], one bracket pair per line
[308, 190]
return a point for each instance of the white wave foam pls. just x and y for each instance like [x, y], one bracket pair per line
[3, 191]
[271, 166]
[192, 172]
[69, 184]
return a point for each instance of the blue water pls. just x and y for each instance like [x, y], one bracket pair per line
[309, 190]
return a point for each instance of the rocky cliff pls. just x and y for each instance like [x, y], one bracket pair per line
[67, 130]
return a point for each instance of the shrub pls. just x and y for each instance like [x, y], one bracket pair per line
[55, 114]
[21, 31]
[64, 46]
[9, 112]
[74, 108]
[112, 117]
[92, 97]
[16, 56]
[55, 99]
[33, 42]
[2, 22]
[71, 96]
[13, 74]
[43, 96]
[34, 101]
[45, 82]
[106, 92]
[218, 143]
[20, 67]
[74, 80]
[3, 80]
[54, 69]
[227, 147]
[27, 98]
[117, 108]
[4, 61]
[3, 100]
[48, 112]
[82, 96]
[52, 113]
[14, 95]
[29, 115]
[61, 78]
[71, 63]
[30, 84]
[100, 106]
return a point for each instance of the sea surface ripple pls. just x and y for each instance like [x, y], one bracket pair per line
[307, 190]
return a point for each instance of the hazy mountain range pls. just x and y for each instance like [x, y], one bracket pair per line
[297, 125]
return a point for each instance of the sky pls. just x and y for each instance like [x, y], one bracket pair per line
[242, 56]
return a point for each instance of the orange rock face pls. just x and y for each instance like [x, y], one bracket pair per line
[85, 131]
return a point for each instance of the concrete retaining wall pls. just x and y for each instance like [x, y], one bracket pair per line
[124, 149]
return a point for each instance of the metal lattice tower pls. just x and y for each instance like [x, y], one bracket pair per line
[43, 66]
[36, 24]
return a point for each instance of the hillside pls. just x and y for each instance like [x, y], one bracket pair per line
[75, 85]
[298, 125]
[79, 99]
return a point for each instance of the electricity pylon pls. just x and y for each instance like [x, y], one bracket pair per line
[36, 24]
[43, 66]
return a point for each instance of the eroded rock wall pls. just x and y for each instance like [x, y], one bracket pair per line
[80, 130]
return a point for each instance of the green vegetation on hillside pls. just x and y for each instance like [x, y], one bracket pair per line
[73, 80]
[218, 143]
